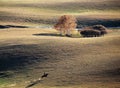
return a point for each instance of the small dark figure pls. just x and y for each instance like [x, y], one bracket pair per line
[33, 83]
[37, 81]
[44, 75]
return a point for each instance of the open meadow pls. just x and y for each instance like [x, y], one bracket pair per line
[81, 62]
[27, 50]
[87, 12]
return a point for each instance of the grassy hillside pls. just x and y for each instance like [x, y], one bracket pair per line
[25, 54]
[27, 50]
[46, 12]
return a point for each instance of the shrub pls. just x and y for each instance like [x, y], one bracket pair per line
[94, 31]
[90, 33]
[101, 28]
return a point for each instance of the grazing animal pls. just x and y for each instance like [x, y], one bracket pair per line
[44, 75]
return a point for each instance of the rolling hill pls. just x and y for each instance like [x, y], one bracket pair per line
[25, 54]
[27, 50]
[47, 12]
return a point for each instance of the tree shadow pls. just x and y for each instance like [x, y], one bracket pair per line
[12, 26]
[57, 35]
[49, 34]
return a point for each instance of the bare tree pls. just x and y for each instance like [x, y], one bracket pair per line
[65, 24]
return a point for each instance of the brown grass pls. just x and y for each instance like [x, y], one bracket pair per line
[70, 62]
[38, 11]
[25, 54]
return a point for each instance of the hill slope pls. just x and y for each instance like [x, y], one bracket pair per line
[25, 54]
[47, 12]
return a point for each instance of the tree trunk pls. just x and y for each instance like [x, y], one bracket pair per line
[68, 32]
[60, 32]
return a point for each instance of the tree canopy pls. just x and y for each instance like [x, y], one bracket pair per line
[65, 24]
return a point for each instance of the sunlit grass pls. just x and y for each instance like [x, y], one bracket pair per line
[49, 11]
[81, 50]
[4, 82]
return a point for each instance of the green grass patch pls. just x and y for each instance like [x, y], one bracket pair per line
[3, 82]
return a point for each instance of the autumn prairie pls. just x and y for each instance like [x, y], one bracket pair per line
[30, 46]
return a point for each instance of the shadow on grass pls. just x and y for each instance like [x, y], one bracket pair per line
[49, 34]
[12, 26]
[57, 35]
[18, 56]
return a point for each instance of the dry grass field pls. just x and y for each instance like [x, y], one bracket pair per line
[25, 54]
[47, 11]
[27, 51]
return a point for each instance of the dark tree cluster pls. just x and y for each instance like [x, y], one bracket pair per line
[90, 33]
[100, 28]
[93, 31]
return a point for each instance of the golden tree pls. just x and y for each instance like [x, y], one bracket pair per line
[65, 24]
